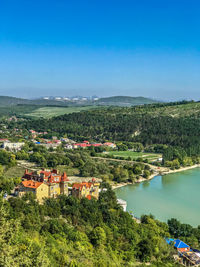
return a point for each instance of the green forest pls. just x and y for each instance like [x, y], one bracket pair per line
[72, 232]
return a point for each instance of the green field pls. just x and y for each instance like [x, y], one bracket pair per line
[49, 112]
[134, 155]
[14, 172]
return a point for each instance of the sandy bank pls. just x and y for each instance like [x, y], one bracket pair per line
[157, 171]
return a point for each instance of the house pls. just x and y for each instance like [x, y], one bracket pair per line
[86, 144]
[178, 244]
[40, 189]
[83, 145]
[3, 140]
[69, 146]
[13, 146]
[181, 246]
[86, 189]
[55, 184]
[109, 144]
[96, 144]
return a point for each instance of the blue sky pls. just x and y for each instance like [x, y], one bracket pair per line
[113, 47]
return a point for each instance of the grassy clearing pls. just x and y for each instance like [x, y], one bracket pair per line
[134, 155]
[70, 171]
[49, 112]
[14, 172]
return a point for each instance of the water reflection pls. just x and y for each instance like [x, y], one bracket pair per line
[145, 184]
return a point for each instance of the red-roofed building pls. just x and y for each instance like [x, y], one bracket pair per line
[96, 145]
[3, 140]
[40, 189]
[85, 144]
[57, 184]
[86, 189]
[109, 144]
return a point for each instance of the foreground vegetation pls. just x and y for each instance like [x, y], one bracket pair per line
[71, 232]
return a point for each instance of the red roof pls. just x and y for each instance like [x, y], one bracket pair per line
[82, 144]
[80, 185]
[31, 184]
[96, 144]
[47, 176]
[108, 143]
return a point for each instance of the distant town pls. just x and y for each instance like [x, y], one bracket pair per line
[73, 98]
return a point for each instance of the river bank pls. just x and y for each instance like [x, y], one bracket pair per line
[157, 171]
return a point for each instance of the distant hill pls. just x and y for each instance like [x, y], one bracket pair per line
[10, 101]
[107, 101]
[125, 101]
[13, 101]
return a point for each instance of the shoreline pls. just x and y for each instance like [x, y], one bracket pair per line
[162, 171]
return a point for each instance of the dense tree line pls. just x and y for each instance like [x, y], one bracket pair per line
[82, 160]
[72, 232]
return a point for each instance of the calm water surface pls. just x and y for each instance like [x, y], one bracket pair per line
[171, 196]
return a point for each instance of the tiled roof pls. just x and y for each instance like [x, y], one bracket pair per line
[80, 185]
[108, 144]
[31, 184]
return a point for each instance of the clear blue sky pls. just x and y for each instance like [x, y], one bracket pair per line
[105, 47]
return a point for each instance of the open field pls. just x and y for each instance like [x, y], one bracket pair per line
[49, 112]
[14, 172]
[134, 155]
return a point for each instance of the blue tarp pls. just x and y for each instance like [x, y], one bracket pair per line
[180, 244]
[177, 243]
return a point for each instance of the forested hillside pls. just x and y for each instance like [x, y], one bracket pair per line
[176, 124]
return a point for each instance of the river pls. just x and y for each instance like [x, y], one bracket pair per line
[174, 195]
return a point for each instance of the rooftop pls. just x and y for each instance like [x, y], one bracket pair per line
[31, 184]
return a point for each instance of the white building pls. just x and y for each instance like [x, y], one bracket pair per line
[13, 146]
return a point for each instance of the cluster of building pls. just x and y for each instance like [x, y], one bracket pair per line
[50, 184]
[11, 146]
[53, 143]
[35, 134]
[88, 144]
[186, 255]
[74, 98]
[70, 144]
